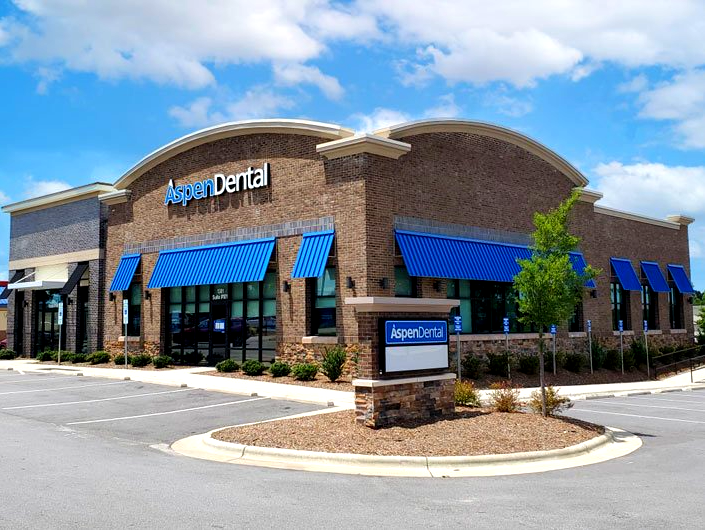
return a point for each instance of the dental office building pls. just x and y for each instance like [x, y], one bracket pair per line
[279, 238]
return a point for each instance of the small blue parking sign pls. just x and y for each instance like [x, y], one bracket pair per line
[457, 323]
[505, 322]
[620, 326]
[589, 325]
[646, 325]
[553, 329]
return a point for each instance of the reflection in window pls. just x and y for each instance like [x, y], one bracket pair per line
[323, 314]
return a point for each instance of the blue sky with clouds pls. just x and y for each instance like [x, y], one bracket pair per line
[617, 88]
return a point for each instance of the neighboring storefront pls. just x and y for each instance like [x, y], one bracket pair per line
[280, 238]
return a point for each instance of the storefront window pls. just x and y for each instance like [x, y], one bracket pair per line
[675, 308]
[649, 304]
[47, 321]
[134, 297]
[324, 304]
[483, 306]
[404, 285]
[619, 298]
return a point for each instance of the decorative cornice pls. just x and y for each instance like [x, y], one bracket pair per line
[60, 197]
[363, 143]
[635, 217]
[682, 220]
[391, 304]
[589, 196]
[56, 259]
[115, 197]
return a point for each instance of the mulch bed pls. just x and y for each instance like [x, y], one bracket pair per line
[321, 381]
[469, 432]
[565, 378]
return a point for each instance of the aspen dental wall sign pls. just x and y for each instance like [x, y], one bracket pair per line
[413, 345]
[251, 179]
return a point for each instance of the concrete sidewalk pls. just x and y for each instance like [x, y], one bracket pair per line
[191, 378]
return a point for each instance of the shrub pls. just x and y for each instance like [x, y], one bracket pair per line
[574, 362]
[472, 366]
[504, 397]
[7, 355]
[99, 357]
[598, 355]
[44, 356]
[252, 367]
[548, 359]
[638, 351]
[333, 362]
[304, 371]
[554, 402]
[612, 360]
[667, 349]
[65, 356]
[228, 365]
[78, 358]
[629, 361]
[497, 364]
[141, 359]
[279, 369]
[529, 364]
[120, 359]
[466, 394]
[162, 361]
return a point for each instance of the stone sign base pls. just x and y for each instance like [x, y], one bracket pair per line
[384, 402]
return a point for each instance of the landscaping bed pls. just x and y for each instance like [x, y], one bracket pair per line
[469, 432]
[320, 381]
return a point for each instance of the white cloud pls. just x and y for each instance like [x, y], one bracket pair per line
[46, 77]
[258, 102]
[682, 101]
[656, 190]
[446, 108]
[297, 74]
[4, 198]
[636, 84]
[37, 188]
[378, 119]
[508, 105]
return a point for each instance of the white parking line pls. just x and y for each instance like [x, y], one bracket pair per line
[96, 400]
[39, 378]
[666, 399]
[167, 412]
[638, 416]
[61, 388]
[622, 404]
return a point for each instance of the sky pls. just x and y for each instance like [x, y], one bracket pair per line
[616, 88]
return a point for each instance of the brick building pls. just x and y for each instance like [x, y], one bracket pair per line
[282, 237]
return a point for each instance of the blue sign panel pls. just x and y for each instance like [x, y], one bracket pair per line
[457, 323]
[553, 329]
[646, 325]
[505, 323]
[589, 325]
[620, 326]
[403, 332]
[219, 325]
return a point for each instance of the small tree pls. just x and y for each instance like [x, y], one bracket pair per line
[549, 288]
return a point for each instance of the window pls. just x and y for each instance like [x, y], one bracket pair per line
[575, 323]
[323, 313]
[619, 299]
[675, 308]
[649, 304]
[134, 297]
[404, 285]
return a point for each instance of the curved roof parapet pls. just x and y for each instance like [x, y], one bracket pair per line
[485, 129]
[227, 130]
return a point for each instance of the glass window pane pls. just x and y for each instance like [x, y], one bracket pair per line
[270, 285]
[464, 288]
[190, 308]
[190, 293]
[325, 285]
[269, 308]
[220, 292]
[465, 314]
[236, 291]
[236, 309]
[252, 309]
[402, 282]
[135, 294]
[326, 322]
[451, 289]
[175, 295]
[252, 290]
[204, 307]
[327, 301]
[204, 293]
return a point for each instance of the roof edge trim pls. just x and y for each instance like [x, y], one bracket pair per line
[59, 197]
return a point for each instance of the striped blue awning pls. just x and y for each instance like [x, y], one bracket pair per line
[680, 278]
[313, 254]
[242, 261]
[626, 274]
[439, 256]
[125, 271]
[653, 273]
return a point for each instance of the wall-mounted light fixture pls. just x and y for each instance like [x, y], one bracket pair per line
[593, 293]
[384, 283]
[147, 295]
[111, 297]
[69, 301]
[25, 303]
[690, 299]
[350, 282]
[286, 286]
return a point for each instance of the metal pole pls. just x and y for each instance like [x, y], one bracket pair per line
[506, 348]
[125, 346]
[457, 352]
[59, 343]
[590, 350]
[646, 345]
[61, 321]
[621, 350]
[554, 354]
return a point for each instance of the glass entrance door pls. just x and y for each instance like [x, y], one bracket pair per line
[219, 332]
[47, 322]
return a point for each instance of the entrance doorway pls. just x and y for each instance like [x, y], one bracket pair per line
[46, 336]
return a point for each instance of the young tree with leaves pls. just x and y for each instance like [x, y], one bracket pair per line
[548, 285]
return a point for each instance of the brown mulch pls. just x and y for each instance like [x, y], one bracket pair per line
[468, 432]
[321, 381]
[565, 378]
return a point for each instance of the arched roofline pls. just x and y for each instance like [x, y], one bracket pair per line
[227, 130]
[413, 128]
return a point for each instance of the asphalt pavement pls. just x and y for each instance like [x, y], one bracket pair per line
[81, 452]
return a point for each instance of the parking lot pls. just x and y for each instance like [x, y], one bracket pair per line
[131, 411]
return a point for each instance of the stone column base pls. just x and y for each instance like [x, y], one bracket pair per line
[384, 402]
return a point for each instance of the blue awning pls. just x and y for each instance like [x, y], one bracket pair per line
[313, 254]
[653, 273]
[680, 277]
[439, 256]
[125, 271]
[242, 261]
[579, 264]
[626, 274]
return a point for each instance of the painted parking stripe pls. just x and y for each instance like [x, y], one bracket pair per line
[61, 388]
[97, 400]
[639, 416]
[104, 420]
[627, 404]
[640, 398]
[42, 378]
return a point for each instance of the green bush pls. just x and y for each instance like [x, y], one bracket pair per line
[304, 371]
[497, 364]
[529, 364]
[7, 355]
[472, 366]
[252, 367]
[629, 359]
[279, 369]
[162, 361]
[98, 357]
[598, 355]
[65, 356]
[333, 362]
[120, 359]
[504, 397]
[638, 350]
[228, 365]
[667, 349]
[78, 358]
[554, 402]
[44, 356]
[574, 362]
[466, 394]
[612, 360]
[548, 359]
[140, 360]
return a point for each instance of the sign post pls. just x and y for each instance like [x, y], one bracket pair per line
[457, 327]
[125, 318]
[646, 345]
[61, 323]
[505, 323]
[553, 332]
[589, 330]
[621, 342]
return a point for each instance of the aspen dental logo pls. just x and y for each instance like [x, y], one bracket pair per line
[416, 331]
[247, 180]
